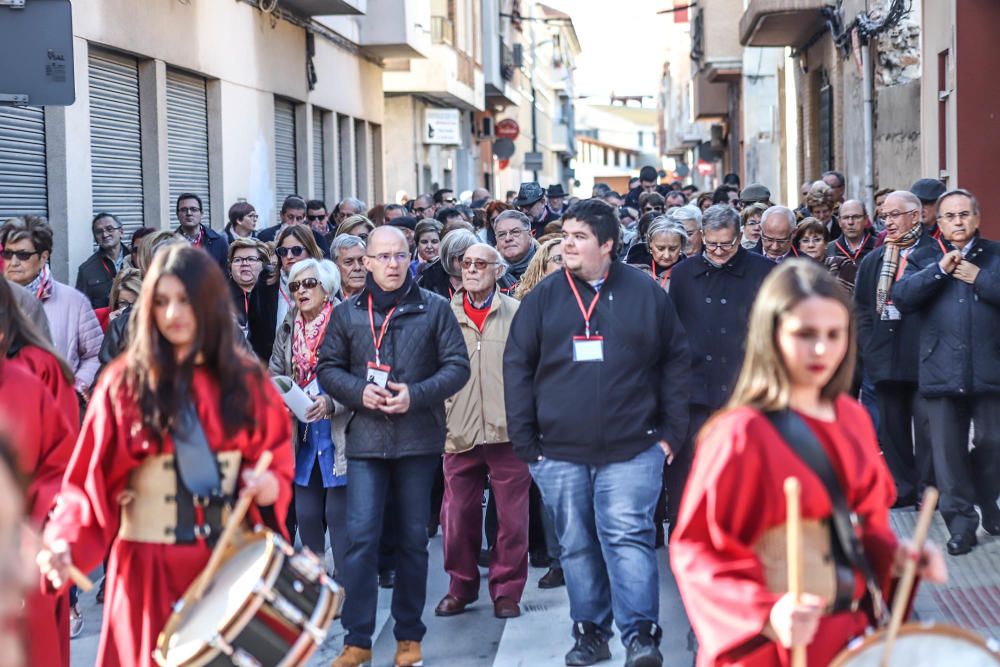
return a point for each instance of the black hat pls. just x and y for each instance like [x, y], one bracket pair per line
[928, 190]
[556, 191]
[648, 174]
[755, 192]
[407, 221]
[528, 194]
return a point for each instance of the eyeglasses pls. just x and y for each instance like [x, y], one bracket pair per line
[770, 240]
[189, 209]
[728, 245]
[22, 255]
[387, 257]
[242, 261]
[363, 237]
[251, 215]
[294, 251]
[314, 218]
[308, 283]
[106, 231]
[853, 218]
[480, 264]
[450, 201]
[556, 259]
[513, 234]
[896, 215]
[961, 215]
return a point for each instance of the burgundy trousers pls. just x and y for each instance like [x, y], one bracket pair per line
[462, 520]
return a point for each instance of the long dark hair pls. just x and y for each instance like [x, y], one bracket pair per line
[155, 378]
[16, 330]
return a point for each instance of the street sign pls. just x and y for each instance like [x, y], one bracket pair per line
[504, 148]
[533, 161]
[508, 129]
[36, 47]
[442, 126]
[705, 168]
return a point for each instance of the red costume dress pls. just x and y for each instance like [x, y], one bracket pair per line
[43, 439]
[46, 367]
[735, 494]
[145, 579]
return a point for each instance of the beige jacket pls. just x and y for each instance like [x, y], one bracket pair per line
[476, 414]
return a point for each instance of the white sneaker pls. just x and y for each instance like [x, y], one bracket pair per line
[75, 622]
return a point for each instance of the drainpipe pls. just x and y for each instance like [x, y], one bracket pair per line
[869, 128]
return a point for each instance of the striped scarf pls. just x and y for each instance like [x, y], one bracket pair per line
[41, 286]
[890, 262]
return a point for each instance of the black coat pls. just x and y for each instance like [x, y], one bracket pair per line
[262, 317]
[596, 412]
[216, 245]
[426, 351]
[959, 355]
[271, 233]
[632, 196]
[888, 347]
[95, 276]
[714, 307]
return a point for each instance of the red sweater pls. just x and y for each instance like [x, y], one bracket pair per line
[477, 315]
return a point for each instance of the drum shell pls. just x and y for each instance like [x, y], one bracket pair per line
[934, 643]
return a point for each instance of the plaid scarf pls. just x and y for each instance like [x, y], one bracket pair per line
[41, 286]
[890, 262]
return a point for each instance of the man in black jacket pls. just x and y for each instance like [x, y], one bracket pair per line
[713, 294]
[293, 212]
[97, 273]
[189, 212]
[393, 353]
[888, 341]
[956, 289]
[595, 399]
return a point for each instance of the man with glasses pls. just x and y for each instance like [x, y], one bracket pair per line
[954, 284]
[424, 208]
[319, 219]
[189, 213]
[97, 273]
[293, 212]
[346, 208]
[856, 236]
[392, 353]
[777, 226]
[651, 202]
[713, 294]
[514, 241]
[445, 198]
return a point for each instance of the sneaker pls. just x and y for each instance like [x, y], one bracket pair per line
[591, 646]
[353, 656]
[644, 648]
[75, 622]
[408, 654]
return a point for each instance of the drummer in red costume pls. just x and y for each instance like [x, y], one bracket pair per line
[171, 426]
[728, 549]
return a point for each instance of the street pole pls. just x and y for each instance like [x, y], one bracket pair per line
[869, 114]
[534, 94]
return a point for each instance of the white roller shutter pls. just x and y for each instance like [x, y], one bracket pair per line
[319, 154]
[284, 151]
[187, 140]
[115, 137]
[23, 182]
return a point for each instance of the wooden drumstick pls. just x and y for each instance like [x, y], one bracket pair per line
[905, 586]
[76, 575]
[228, 532]
[793, 526]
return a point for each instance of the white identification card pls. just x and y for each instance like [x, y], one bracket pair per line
[312, 389]
[891, 313]
[378, 375]
[588, 349]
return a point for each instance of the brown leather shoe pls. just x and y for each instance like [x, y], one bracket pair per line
[353, 656]
[408, 654]
[452, 606]
[506, 608]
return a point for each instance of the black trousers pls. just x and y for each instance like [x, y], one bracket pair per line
[965, 478]
[903, 433]
[676, 473]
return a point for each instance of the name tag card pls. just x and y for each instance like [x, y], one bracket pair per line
[588, 349]
[378, 374]
[890, 313]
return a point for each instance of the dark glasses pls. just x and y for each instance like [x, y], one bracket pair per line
[308, 283]
[294, 251]
[22, 255]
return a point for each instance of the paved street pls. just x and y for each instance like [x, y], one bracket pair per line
[540, 637]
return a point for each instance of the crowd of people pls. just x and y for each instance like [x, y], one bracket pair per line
[613, 370]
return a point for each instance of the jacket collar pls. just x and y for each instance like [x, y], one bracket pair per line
[737, 265]
[412, 301]
[458, 304]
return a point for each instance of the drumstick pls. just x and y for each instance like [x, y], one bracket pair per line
[793, 526]
[905, 586]
[77, 576]
[235, 519]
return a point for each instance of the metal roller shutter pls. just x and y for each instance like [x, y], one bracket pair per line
[23, 182]
[319, 153]
[187, 140]
[284, 151]
[115, 137]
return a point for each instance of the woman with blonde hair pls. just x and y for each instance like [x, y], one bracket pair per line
[548, 259]
[790, 416]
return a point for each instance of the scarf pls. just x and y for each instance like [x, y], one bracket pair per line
[306, 339]
[41, 286]
[383, 301]
[195, 242]
[890, 262]
[517, 269]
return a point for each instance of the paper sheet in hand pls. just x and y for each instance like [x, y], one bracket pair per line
[296, 399]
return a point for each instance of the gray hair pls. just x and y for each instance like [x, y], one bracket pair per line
[681, 214]
[722, 217]
[664, 225]
[513, 215]
[326, 272]
[454, 245]
[496, 255]
[354, 203]
[789, 216]
[345, 242]
[957, 192]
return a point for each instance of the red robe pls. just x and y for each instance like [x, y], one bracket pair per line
[46, 367]
[43, 439]
[735, 493]
[145, 579]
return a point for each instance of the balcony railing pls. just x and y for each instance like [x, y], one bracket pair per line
[442, 30]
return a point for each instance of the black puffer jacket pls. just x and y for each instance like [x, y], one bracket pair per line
[424, 347]
[959, 354]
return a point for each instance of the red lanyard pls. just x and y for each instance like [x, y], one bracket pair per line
[385, 327]
[246, 302]
[905, 258]
[666, 274]
[854, 256]
[586, 312]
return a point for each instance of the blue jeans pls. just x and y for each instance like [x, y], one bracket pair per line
[410, 479]
[604, 519]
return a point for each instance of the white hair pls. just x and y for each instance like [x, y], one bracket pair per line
[681, 214]
[501, 262]
[326, 272]
[789, 216]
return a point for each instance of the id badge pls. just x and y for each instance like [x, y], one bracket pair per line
[378, 375]
[312, 389]
[890, 313]
[588, 349]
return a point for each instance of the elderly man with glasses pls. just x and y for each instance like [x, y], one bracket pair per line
[514, 241]
[97, 273]
[777, 227]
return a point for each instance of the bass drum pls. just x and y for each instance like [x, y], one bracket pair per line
[267, 605]
[923, 645]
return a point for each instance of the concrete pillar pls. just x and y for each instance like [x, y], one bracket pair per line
[332, 164]
[303, 150]
[216, 164]
[155, 164]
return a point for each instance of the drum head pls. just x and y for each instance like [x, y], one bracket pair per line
[227, 596]
[923, 646]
